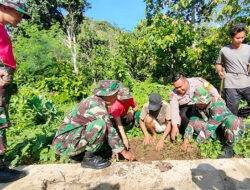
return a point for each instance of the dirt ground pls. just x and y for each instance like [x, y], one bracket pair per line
[170, 151]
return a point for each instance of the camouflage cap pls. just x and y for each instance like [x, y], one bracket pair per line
[18, 5]
[106, 88]
[124, 94]
[201, 96]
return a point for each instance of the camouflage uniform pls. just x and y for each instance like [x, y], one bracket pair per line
[124, 94]
[215, 115]
[88, 125]
[5, 94]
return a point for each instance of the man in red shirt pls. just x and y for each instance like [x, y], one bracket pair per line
[121, 114]
[11, 12]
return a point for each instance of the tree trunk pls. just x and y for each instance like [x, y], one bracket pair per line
[71, 44]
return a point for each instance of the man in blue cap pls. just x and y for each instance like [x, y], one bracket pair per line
[155, 118]
[11, 13]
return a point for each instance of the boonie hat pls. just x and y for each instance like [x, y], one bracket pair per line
[106, 88]
[18, 5]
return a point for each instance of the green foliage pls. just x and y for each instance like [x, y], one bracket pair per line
[41, 53]
[47, 12]
[31, 144]
[198, 11]
[141, 91]
[210, 149]
[134, 132]
[165, 47]
[98, 44]
[44, 109]
[242, 148]
[35, 119]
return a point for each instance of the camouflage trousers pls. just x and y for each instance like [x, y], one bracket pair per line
[6, 75]
[232, 128]
[74, 140]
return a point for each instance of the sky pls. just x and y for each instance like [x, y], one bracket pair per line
[124, 14]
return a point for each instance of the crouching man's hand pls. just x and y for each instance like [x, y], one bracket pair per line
[127, 155]
[160, 145]
[185, 144]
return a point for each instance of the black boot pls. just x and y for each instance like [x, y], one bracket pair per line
[8, 175]
[93, 161]
[228, 152]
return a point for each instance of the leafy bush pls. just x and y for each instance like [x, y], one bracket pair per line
[242, 148]
[44, 109]
[141, 91]
[210, 149]
[134, 132]
[35, 120]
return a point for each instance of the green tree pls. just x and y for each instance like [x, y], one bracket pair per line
[199, 11]
[69, 13]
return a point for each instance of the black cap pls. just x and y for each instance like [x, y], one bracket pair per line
[155, 101]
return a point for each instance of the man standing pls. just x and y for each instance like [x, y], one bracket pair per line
[11, 12]
[235, 58]
[180, 100]
[155, 118]
[88, 126]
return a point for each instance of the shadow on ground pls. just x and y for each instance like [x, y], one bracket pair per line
[207, 177]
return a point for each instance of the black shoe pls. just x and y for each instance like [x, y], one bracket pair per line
[77, 158]
[95, 162]
[228, 152]
[8, 175]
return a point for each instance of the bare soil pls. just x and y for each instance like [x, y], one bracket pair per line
[171, 151]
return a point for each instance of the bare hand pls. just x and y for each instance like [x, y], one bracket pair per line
[221, 74]
[128, 155]
[185, 145]
[147, 140]
[130, 116]
[4, 78]
[115, 157]
[174, 133]
[160, 145]
[126, 144]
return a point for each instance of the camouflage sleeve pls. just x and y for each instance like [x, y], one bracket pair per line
[114, 140]
[210, 88]
[218, 112]
[189, 131]
[175, 112]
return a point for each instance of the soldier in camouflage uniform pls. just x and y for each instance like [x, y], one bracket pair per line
[213, 114]
[11, 12]
[88, 126]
